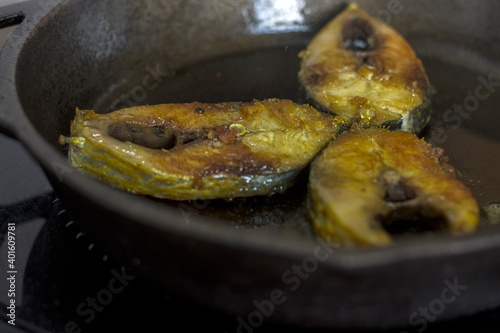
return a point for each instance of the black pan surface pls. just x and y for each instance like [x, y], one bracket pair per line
[237, 255]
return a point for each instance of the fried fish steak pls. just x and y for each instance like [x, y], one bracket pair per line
[370, 182]
[360, 68]
[199, 150]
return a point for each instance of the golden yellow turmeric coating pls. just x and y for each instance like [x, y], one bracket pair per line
[371, 178]
[360, 68]
[200, 150]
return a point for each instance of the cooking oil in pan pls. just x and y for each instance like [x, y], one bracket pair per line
[269, 73]
[463, 124]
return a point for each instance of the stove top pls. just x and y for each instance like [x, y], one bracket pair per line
[53, 278]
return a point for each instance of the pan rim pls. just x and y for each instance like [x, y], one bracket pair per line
[102, 194]
[152, 215]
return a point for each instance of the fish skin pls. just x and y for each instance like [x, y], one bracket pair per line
[223, 150]
[368, 175]
[383, 84]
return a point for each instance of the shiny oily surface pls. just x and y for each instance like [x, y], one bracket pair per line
[273, 72]
[211, 265]
[201, 150]
[369, 182]
[361, 68]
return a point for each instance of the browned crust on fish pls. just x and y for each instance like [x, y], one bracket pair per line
[214, 151]
[383, 82]
[367, 176]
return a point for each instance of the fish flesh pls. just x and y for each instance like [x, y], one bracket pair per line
[201, 150]
[370, 184]
[360, 68]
